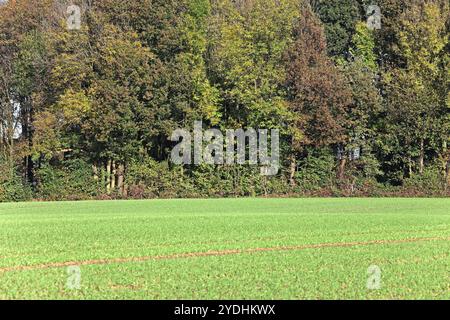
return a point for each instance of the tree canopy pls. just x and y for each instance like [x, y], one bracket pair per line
[89, 112]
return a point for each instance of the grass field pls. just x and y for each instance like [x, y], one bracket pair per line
[226, 249]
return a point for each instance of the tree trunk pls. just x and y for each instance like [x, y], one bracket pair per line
[125, 186]
[28, 134]
[445, 165]
[410, 169]
[120, 179]
[447, 175]
[292, 169]
[341, 170]
[113, 175]
[108, 176]
[422, 156]
[30, 171]
[11, 149]
[95, 171]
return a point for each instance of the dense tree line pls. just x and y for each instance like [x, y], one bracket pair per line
[88, 113]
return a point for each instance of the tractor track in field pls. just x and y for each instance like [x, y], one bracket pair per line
[216, 253]
[234, 241]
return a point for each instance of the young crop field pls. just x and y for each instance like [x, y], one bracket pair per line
[226, 249]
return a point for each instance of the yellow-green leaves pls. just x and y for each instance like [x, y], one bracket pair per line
[423, 37]
[74, 106]
[363, 45]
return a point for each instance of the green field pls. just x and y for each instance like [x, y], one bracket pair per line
[226, 249]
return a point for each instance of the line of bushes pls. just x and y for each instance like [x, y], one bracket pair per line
[73, 179]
